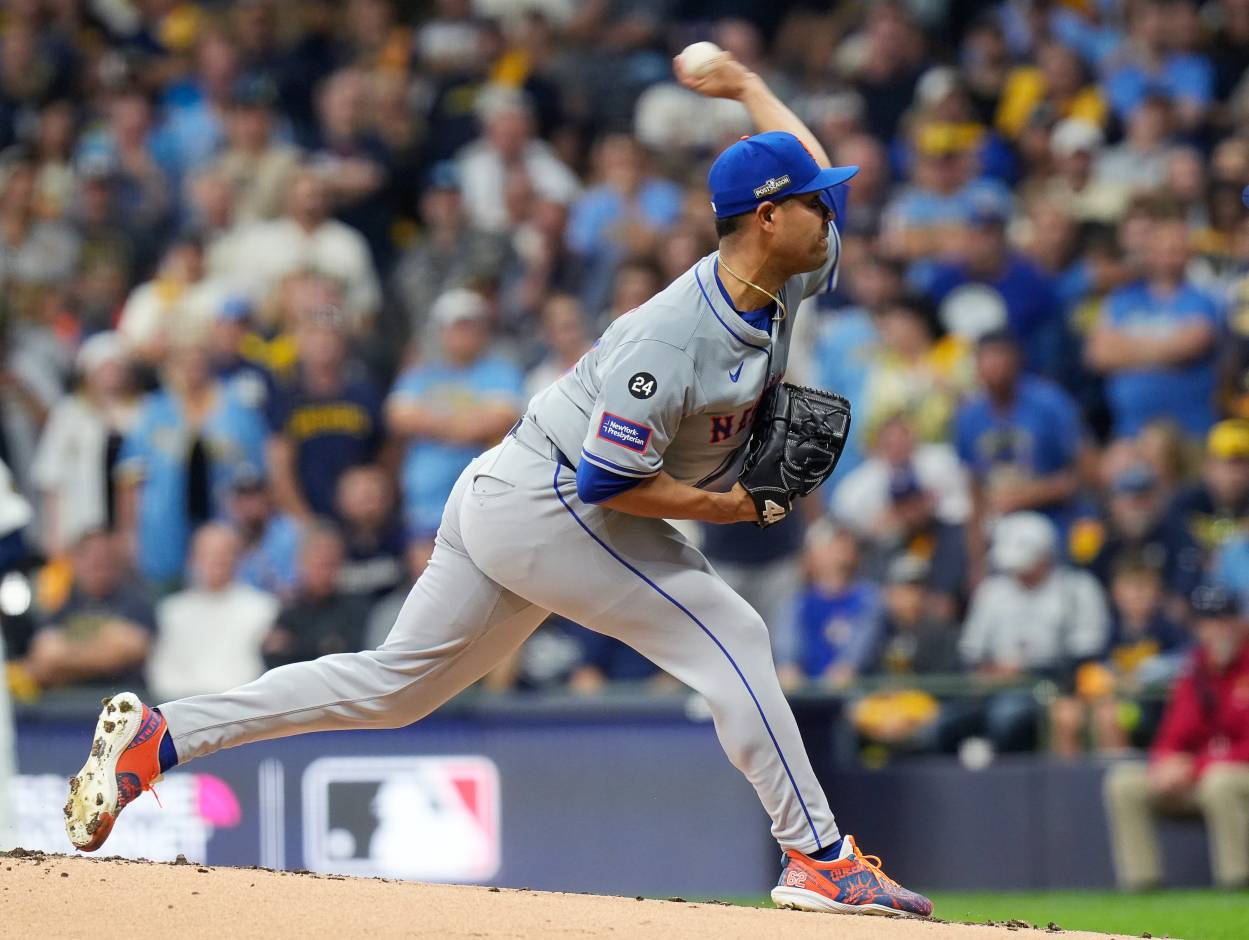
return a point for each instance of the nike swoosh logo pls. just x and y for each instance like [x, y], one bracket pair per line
[736, 373]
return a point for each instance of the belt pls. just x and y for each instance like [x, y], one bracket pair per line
[531, 436]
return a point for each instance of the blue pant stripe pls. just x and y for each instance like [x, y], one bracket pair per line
[732, 662]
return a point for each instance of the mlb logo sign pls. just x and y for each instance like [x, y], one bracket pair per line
[418, 818]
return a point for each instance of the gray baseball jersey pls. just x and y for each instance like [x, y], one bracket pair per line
[670, 385]
[674, 383]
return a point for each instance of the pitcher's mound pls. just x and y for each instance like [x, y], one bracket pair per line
[98, 899]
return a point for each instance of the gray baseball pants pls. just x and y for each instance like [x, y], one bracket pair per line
[515, 544]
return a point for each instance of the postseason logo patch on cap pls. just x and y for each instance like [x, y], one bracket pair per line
[772, 186]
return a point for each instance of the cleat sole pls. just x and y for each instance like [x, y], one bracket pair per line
[799, 899]
[92, 805]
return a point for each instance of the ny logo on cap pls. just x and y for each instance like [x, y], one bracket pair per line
[772, 186]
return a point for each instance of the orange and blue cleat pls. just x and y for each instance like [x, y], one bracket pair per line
[124, 761]
[851, 884]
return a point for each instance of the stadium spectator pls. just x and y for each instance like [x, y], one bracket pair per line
[540, 263]
[1154, 55]
[307, 238]
[833, 627]
[565, 337]
[910, 499]
[193, 127]
[179, 299]
[449, 253]
[124, 146]
[844, 342]
[372, 533]
[1230, 566]
[451, 408]
[255, 163]
[871, 183]
[1019, 437]
[100, 630]
[637, 279]
[320, 618]
[1216, 508]
[1233, 393]
[669, 118]
[1134, 524]
[210, 212]
[942, 100]
[893, 58]
[269, 540]
[208, 636]
[36, 253]
[1032, 618]
[1146, 650]
[1139, 161]
[1056, 87]
[1199, 762]
[1075, 145]
[79, 447]
[925, 220]
[625, 213]
[235, 352]
[326, 419]
[190, 438]
[914, 372]
[507, 142]
[990, 266]
[916, 639]
[53, 152]
[31, 378]
[112, 248]
[353, 162]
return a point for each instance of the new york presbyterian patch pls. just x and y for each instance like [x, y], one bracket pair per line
[624, 432]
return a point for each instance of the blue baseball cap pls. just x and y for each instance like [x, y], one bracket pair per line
[1214, 601]
[766, 167]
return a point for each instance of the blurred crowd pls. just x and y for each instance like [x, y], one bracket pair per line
[272, 274]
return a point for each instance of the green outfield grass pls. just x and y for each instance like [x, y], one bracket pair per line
[1191, 915]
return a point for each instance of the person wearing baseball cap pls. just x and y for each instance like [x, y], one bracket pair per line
[770, 167]
[1217, 508]
[1034, 617]
[775, 197]
[1199, 762]
[451, 405]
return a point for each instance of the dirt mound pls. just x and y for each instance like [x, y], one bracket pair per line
[60, 896]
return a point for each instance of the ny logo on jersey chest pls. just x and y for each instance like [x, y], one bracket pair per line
[724, 427]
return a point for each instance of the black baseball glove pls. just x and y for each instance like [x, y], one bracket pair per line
[797, 437]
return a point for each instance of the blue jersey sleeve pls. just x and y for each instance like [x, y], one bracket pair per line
[132, 459]
[965, 432]
[594, 484]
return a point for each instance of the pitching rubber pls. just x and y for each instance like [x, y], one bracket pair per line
[798, 899]
[92, 804]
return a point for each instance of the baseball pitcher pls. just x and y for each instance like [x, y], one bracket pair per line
[678, 412]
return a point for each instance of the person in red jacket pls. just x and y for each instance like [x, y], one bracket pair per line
[1200, 759]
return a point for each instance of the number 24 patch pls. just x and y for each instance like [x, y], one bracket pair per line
[642, 385]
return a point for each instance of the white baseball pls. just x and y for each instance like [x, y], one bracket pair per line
[699, 58]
